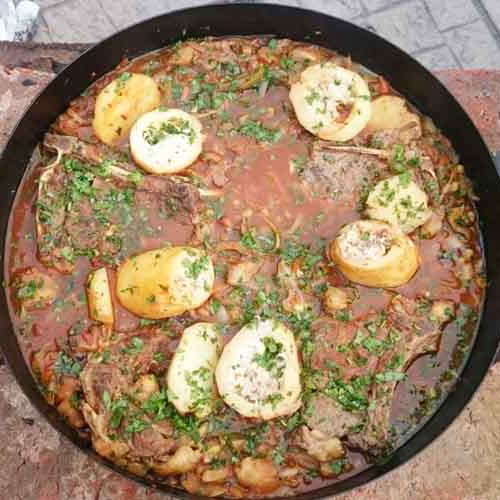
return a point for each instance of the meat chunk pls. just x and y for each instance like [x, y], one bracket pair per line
[53, 242]
[145, 351]
[366, 358]
[328, 417]
[179, 193]
[176, 193]
[34, 289]
[348, 346]
[98, 378]
[88, 204]
[342, 175]
[150, 443]
[114, 449]
[112, 410]
[419, 333]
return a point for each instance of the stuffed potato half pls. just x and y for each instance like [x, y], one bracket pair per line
[166, 141]
[258, 373]
[331, 102]
[375, 254]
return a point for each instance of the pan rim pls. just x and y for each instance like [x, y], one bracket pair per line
[54, 420]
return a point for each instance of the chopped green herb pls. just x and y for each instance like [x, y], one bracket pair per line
[352, 395]
[287, 63]
[28, 290]
[389, 376]
[65, 365]
[120, 81]
[271, 359]
[273, 43]
[194, 268]
[259, 132]
[136, 424]
[153, 134]
[135, 346]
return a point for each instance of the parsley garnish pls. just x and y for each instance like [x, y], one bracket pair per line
[160, 408]
[135, 346]
[28, 290]
[194, 268]
[120, 81]
[65, 365]
[352, 395]
[154, 134]
[271, 359]
[389, 376]
[259, 132]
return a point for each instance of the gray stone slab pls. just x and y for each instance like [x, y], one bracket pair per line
[346, 9]
[407, 25]
[179, 4]
[438, 58]
[127, 12]
[78, 21]
[48, 3]
[372, 5]
[474, 46]
[42, 34]
[449, 13]
[493, 9]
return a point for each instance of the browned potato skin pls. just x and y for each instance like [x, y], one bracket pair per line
[121, 103]
[391, 112]
[99, 297]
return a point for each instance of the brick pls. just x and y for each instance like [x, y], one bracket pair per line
[408, 25]
[474, 46]
[346, 9]
[449, 13]
[478, 91]
[78, 21]
[438, 58]
[493, 9]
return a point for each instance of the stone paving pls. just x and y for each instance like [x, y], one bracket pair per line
[440, 33]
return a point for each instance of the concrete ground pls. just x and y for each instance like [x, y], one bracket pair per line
[440, 33]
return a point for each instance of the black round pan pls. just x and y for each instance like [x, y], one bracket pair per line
[405, 75]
